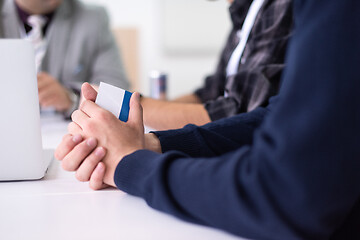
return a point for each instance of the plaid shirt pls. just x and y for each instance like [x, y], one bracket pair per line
[259, 72]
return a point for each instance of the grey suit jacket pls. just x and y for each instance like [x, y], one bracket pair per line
[80, 48]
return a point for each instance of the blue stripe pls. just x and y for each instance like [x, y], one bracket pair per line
[125, 108]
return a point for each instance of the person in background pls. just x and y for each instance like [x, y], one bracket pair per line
[73, 44]
[248, 72]
[290, 171]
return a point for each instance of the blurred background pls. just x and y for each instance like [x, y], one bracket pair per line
[181, 38]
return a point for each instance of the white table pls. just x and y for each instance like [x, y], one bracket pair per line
[60, 207]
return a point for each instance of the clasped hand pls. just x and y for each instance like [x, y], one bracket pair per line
[97, 141]
[52, 94]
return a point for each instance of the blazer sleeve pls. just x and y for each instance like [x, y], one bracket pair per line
[300, 177]
[107, 63]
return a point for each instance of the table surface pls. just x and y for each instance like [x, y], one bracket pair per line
[60, 207]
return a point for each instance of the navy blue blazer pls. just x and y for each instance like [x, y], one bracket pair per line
[298, 175]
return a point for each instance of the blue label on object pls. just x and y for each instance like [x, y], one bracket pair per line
[125, 108]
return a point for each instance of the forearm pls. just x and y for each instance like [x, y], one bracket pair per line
[190, 98]
[194, 190]
[75, 100]
[162, 115]
[301, 174]
[240, 192]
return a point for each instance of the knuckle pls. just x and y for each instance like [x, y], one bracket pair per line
[82, 104]
[66, 136]
[93, 160]
[88, 125]
[83, 149]
[69, 164]
[73, 129]
[68, 143]
[102, 115]
[73, 115]
[86, 103]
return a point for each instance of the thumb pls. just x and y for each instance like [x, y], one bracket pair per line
[136, 111]
[88, 92]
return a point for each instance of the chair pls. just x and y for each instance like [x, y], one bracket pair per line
[127, 40]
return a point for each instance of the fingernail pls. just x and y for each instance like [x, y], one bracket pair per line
[91, 142]
[138, 97]
[77, 138]
[100, 152]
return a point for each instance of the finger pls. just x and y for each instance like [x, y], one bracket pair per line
[90, 108]
[45, 93]
[50, 96]
[67, 144]
[74, 129]
[42, 75]
[47, 104]
[51, 101]
[42, 84]
[43, 80]
[88, 92]
[96, 179]
[136, 111]
[74, 158]
[80, 118]
[89, 164]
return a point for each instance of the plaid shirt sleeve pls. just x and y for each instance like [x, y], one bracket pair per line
[260, 70]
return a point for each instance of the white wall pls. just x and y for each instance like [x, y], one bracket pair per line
[186, 69]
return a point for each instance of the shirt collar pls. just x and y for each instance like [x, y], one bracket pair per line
[23, 15]
[238, 11]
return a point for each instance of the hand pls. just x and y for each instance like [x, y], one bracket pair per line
[74, 150]
[52, 93]
[119, 138]
[81, 155]
[89, 92]
[92, 121]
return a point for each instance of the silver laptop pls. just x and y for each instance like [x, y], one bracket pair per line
[22, 156]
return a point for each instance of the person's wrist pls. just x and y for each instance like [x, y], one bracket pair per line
[72, 102]
[152, 143]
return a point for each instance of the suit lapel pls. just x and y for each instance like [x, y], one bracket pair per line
[58, 37]
[10, 26]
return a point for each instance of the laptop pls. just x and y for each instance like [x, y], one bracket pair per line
[22, 156]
